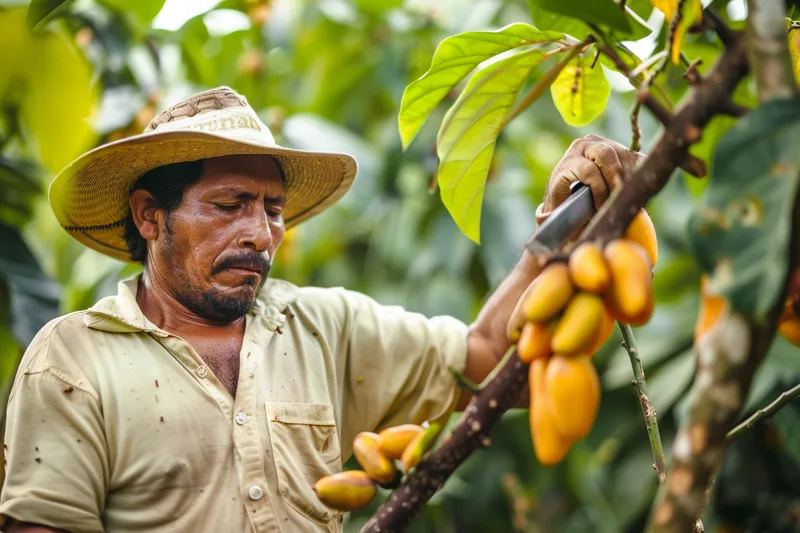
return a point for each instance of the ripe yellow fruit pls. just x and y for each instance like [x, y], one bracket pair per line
[580, 325]
[550, 292]
[711, 308]
[394, 440]
[534, 342]
[346, 491]
[606, 328]
[790, 330]
[630, 295]
[588, 269]
[572, 392]
[549, 446]
[367, 452]
[642, 231]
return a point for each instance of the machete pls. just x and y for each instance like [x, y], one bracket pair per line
[564, 221]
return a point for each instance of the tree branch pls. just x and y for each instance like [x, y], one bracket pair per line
[767, 49]
[648, 410]
[503, 390]
[764, 413]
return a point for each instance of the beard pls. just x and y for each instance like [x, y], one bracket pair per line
[215, 304]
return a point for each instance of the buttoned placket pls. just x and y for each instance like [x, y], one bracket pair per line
[256, 473]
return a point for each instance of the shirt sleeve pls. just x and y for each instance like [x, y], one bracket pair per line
[55, 448]
[398, 366]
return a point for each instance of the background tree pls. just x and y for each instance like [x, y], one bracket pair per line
[331, 75]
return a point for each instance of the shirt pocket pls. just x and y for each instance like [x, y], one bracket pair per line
[305, 447]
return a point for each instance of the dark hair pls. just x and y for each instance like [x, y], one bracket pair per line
[167, 184]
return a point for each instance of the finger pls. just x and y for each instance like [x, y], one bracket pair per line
[589, 173]
[608, 161]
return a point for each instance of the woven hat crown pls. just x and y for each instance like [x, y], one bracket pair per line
[211, 100]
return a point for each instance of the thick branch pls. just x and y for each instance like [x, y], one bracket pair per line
[648, 410]
[470, 433]
[503, 390]
[767, 49]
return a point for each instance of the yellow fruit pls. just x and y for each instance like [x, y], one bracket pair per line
[550, 292]
[365, 448]
[346, 491]
[711, 308]
[535, 341]
[606, 328]
[790, 330]
[572, 392]
[642, 231]
[549, 446]
[630, 295]
[417, 448]
[580, 325]
[588, 269]
[394, 440]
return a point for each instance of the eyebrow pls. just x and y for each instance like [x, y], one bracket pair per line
[274, 200]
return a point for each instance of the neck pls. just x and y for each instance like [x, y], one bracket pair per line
[165, 311]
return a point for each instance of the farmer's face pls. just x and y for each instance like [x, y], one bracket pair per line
[215, 249]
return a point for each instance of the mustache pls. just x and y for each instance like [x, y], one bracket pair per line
[249, 260]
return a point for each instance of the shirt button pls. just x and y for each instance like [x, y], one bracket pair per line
[202, 371]
[255, 492]
[241, 418]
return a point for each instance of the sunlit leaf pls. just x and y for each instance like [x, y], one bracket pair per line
[453, 59]
[604, 12]
[144, 11]
[38, 10]
[692, 14]
[794, 50]
[580, 92]
[466, 141]
[668, 7]
[741, 231]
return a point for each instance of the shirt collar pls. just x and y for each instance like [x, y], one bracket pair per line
[121, 313]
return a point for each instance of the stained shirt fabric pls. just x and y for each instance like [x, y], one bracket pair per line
[116, 425]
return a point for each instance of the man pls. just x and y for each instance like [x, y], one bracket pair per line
[205, 396]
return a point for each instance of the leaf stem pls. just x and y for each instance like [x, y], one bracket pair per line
[766, 412]
[648, 410]
[545, 81]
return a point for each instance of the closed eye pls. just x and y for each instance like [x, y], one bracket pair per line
[227, 207]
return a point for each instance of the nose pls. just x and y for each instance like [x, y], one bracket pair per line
[255, 233]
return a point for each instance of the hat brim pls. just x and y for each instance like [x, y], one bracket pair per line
[90, 196]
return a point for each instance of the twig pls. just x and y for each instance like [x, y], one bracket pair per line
[766, 412]
[648, 409]
[691, 75]
[636, 132]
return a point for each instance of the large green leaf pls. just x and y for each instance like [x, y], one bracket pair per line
[466, 140]
[604, 12]
[453, 59]
[580, 92]
[741, 231]
[38, 10]
[143, 11]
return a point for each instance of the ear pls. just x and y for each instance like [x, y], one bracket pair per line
[145, 214]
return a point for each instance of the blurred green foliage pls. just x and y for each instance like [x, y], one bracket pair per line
[330, 75]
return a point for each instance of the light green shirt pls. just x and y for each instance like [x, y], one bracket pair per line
[116, 425]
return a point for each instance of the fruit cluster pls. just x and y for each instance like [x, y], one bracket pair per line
[569, 313]
[376, 453]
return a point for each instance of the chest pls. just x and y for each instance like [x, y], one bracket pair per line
[222, 357]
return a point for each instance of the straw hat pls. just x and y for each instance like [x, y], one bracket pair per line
[90, 196]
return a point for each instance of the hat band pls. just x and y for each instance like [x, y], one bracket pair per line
[117, 224]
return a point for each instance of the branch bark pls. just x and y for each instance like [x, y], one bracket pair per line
[503, 390]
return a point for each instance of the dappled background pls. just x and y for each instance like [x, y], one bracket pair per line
[330, 75]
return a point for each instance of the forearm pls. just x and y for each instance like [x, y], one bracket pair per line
[487, 340]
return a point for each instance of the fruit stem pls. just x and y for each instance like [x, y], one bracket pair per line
[648, 409]
[466, 382]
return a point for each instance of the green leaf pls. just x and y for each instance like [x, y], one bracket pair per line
[741, 230]
[466, 140]
[453, 59]
[580, 93]
[604, 12]
[144, 11]
[38, 10]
